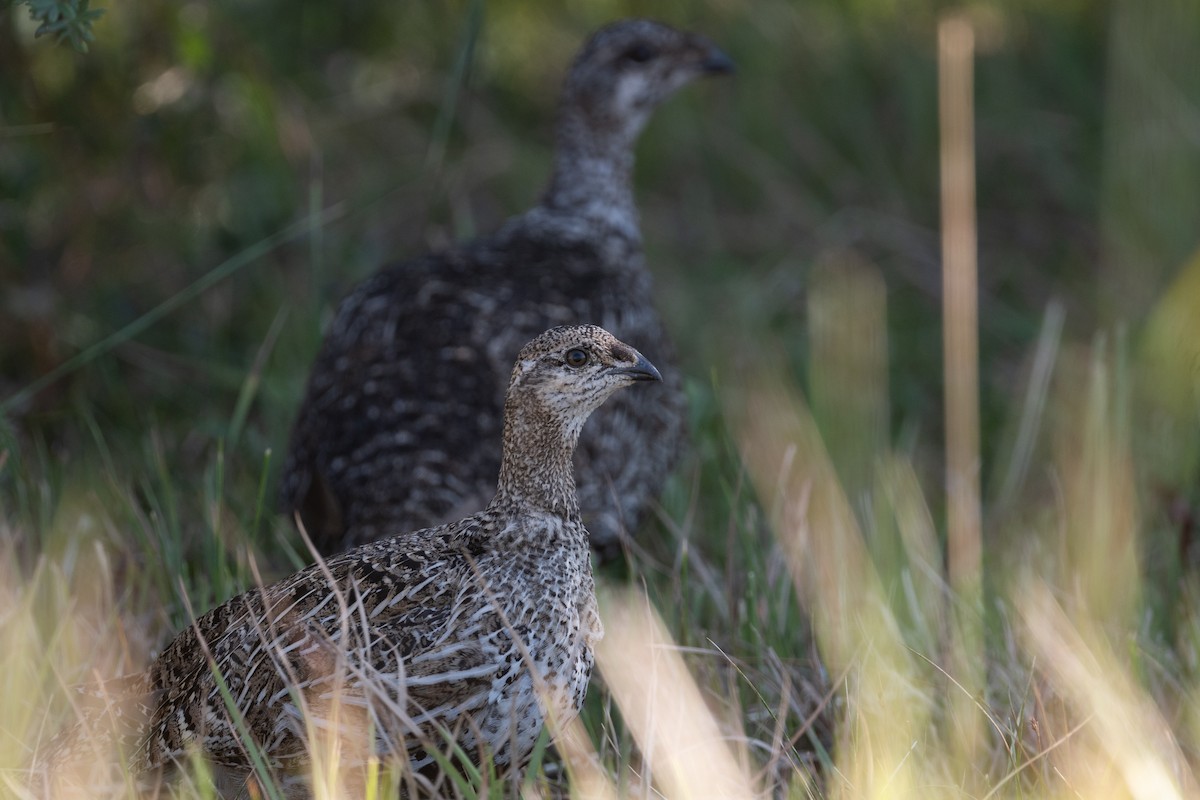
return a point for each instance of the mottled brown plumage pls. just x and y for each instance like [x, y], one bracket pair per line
[388, 395]
[477, 628]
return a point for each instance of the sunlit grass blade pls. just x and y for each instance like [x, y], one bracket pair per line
[683, 747]
[1126, 728]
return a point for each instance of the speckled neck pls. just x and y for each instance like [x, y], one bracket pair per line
[535, 469]
[593, 174]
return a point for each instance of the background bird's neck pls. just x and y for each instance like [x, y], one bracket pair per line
[535, 470]
[593, 175]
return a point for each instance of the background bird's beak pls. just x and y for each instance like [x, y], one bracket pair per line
[643, 370]
[716, 62]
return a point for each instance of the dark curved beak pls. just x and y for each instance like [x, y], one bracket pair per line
[707, 57]
[716, 62]
[643, 370]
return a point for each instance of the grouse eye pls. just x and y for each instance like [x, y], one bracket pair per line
[576, 358]
[640, 53]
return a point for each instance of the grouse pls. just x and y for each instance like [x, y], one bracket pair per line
[474, 630]
[392, 429]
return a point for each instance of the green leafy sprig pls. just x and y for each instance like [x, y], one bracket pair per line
[67, 20]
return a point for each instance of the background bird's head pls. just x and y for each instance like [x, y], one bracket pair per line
[570, 370]
[627, 68]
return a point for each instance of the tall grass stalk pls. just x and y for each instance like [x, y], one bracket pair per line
[960, 321]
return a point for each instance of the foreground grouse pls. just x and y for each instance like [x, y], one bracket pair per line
[473, 630]
[403, 406]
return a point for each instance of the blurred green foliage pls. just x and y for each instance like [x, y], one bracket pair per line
[194, 130]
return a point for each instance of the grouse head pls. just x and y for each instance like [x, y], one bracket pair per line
[567, 372]
[560, 378]
[628, 67]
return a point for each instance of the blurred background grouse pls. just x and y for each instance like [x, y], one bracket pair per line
[475, 629]
[402, 412]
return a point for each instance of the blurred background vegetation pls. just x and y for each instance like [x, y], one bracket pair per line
[282, 151]
[193, 131]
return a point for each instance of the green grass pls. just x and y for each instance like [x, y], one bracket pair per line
[171, 244]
